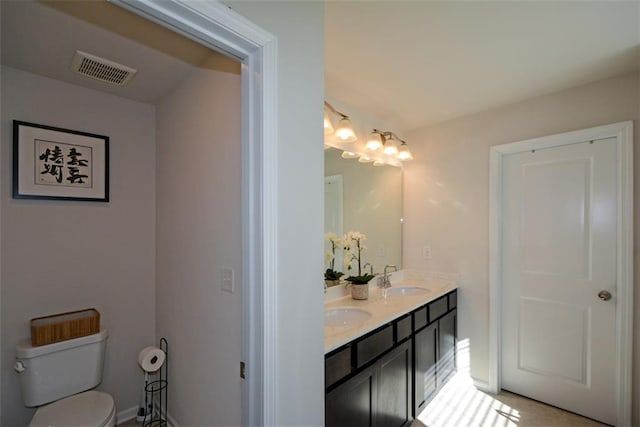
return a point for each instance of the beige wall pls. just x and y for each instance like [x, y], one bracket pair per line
[60, 256]
[198, 234]
[447, 186]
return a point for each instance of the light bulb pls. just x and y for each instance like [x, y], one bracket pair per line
[375, 141]
[328, 127]
[390, 147]
[404, 154]
[344, 131]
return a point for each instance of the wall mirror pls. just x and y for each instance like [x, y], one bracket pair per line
[365, 198]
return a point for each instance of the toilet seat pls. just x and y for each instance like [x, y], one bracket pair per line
[90, 408]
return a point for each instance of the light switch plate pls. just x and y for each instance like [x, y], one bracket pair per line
[426, 252]
[226, 280]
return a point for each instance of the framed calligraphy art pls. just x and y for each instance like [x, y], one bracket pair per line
[59, 164]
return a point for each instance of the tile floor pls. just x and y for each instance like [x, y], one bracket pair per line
[460, 404]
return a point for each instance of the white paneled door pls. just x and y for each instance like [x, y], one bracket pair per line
[559, 234]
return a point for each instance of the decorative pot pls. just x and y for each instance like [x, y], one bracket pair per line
[360, 291]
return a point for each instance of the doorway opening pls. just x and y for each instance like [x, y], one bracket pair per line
[216, 27]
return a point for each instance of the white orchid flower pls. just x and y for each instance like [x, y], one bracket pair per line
[331, 236]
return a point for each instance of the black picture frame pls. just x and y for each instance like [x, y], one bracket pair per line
[59, 164]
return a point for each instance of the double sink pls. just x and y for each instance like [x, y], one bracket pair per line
[353, 316]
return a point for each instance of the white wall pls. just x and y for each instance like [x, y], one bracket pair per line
[447, 186]
[300, 359]
[199, 234]
[59, 256]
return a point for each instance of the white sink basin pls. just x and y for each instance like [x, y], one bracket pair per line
[407, 291]
[345, 316]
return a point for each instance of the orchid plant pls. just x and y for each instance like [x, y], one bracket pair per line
[330, 257]
[353, 243]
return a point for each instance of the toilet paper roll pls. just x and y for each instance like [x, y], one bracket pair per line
[151, 359]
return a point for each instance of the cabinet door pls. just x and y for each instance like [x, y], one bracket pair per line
[426, 352]
[353, 403]
[447, 346]
[394, 387]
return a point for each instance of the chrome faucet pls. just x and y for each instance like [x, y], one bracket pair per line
[386, 283]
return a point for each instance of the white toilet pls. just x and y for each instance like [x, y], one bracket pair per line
[62, 373]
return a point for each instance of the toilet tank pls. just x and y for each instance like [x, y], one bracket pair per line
[54, 371]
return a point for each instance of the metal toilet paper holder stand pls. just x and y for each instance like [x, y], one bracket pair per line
[156, 393]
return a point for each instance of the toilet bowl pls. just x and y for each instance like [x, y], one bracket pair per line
[91, 408]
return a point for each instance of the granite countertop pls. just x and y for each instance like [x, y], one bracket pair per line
[383, 310]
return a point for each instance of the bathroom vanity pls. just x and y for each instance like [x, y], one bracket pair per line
[383, 369]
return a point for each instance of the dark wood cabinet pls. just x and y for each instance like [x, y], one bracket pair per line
[434, 358]
[394, 387]
[353, 403]
[387, 377]
[379, 395]
[446, 346]
[426, 356]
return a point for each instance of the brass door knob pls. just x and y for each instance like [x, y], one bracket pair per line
[604, 295]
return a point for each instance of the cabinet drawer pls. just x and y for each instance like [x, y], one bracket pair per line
[437, 308]
[374, 345]
[453, 300]
[420, 318]
[337, 366]
[403, 328]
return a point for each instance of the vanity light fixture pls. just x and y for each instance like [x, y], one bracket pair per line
[403, 153]
[381, 148]
[328, 127]
[390, 147]
[344, 131]
[375, 141]
[349, 155]
[388, 141]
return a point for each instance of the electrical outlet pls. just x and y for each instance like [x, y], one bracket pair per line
[426, 252]
[226, 280]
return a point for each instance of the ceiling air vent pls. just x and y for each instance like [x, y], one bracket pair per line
[101, 69]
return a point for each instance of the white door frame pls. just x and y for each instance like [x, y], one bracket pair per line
[338, 180]
[623, 132]
[215, 25]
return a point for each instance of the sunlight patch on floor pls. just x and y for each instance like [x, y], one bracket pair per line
[459, 403]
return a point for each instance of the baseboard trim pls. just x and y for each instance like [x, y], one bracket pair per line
[171, 421]
[481, 385]
[126, 415]
[130, 414]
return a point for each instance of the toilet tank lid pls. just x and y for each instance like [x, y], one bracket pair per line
[91, 408]
[25, 350]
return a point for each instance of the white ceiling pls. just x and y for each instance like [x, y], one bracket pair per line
[415, 64]
[410, 64]
[42, 37]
